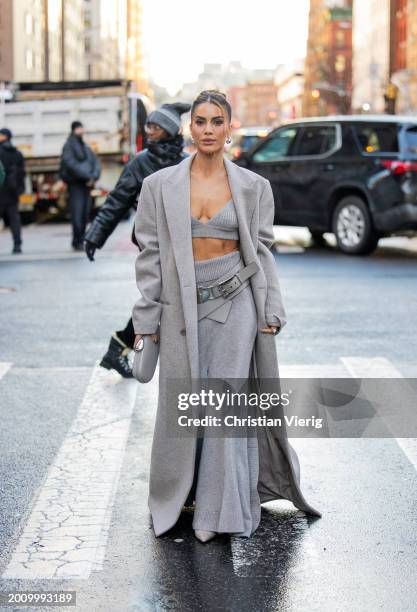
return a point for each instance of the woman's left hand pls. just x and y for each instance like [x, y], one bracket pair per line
[269, 330]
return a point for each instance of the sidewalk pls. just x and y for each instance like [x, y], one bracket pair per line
[53, 241]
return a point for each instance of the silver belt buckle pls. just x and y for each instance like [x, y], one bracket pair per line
[234, 282]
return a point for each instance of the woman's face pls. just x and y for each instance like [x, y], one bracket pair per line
[155, 132]
[209, 127]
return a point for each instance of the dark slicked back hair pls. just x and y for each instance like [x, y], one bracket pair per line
[214, 96]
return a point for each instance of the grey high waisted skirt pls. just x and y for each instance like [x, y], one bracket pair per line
[227, 468]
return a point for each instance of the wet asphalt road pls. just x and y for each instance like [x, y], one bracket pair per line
[57, 313]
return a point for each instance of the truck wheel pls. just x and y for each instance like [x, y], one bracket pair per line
[352, 226]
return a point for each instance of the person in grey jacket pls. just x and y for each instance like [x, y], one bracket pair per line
[80, 169]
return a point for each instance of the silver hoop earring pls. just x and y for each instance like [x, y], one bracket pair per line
[228, 140]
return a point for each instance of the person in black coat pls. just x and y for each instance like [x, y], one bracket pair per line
[164, 147]
[13, 185]
[80, 169]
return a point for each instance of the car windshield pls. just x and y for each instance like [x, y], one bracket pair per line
[411, 141]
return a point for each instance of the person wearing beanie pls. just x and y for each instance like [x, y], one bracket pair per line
[13, 185]
[168, 117]
[79, 169]
[164, 147]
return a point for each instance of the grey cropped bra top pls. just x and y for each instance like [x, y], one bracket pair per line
[223, 224]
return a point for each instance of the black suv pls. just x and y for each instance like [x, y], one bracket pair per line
[355, 176]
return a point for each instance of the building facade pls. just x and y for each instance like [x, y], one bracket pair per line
[42, 40]
[54, 40]
[134, 57]
[371, 56]
[289, 79]
[403, 56]
[328, 64]
[21, 40]
[411, 58]
[261, 103]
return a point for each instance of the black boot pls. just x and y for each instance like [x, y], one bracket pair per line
[116, 357]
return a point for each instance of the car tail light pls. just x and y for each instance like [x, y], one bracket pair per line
[399, 167]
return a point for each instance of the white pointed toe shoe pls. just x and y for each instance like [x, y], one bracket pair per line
[204, 536]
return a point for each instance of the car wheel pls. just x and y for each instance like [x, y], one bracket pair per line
[352, 226]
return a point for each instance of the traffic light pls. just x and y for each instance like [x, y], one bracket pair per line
[390, 97]
[391, 91]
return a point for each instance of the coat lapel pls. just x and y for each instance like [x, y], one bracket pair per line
[244, 197]
[176, 201]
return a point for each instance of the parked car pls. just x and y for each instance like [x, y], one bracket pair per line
[245, 138]
[355, 176]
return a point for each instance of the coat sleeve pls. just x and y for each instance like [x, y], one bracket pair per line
[147, 310]
[96, 167]
[118, 202]
[21, 173]
[274, 308]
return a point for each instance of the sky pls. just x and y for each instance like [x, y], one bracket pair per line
[181, 35]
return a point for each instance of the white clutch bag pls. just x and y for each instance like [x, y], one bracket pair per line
[145, 359]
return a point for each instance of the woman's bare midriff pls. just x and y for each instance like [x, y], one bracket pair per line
[207, 248]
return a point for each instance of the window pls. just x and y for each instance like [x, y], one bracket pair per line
[28, 23]
[278, 147]
[411, 141]
[29, 59]
[340, 63]
[377, 138]
[316, 140]
[248, 142]
[340, 38]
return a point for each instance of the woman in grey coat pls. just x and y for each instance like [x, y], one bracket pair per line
[208, 279]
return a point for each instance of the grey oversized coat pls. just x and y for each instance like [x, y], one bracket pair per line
[166, 280]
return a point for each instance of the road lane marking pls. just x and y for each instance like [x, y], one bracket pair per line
[66, 532]
[380, 367]
[4, 368]
[314, 370]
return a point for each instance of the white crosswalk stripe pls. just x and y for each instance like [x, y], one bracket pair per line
[66, 532]
[379, 367]
[4, 368]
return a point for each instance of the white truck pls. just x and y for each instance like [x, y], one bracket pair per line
[40, 115]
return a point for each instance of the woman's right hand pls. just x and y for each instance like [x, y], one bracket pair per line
[139, 336]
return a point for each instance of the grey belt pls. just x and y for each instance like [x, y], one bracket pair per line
[229, 288]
